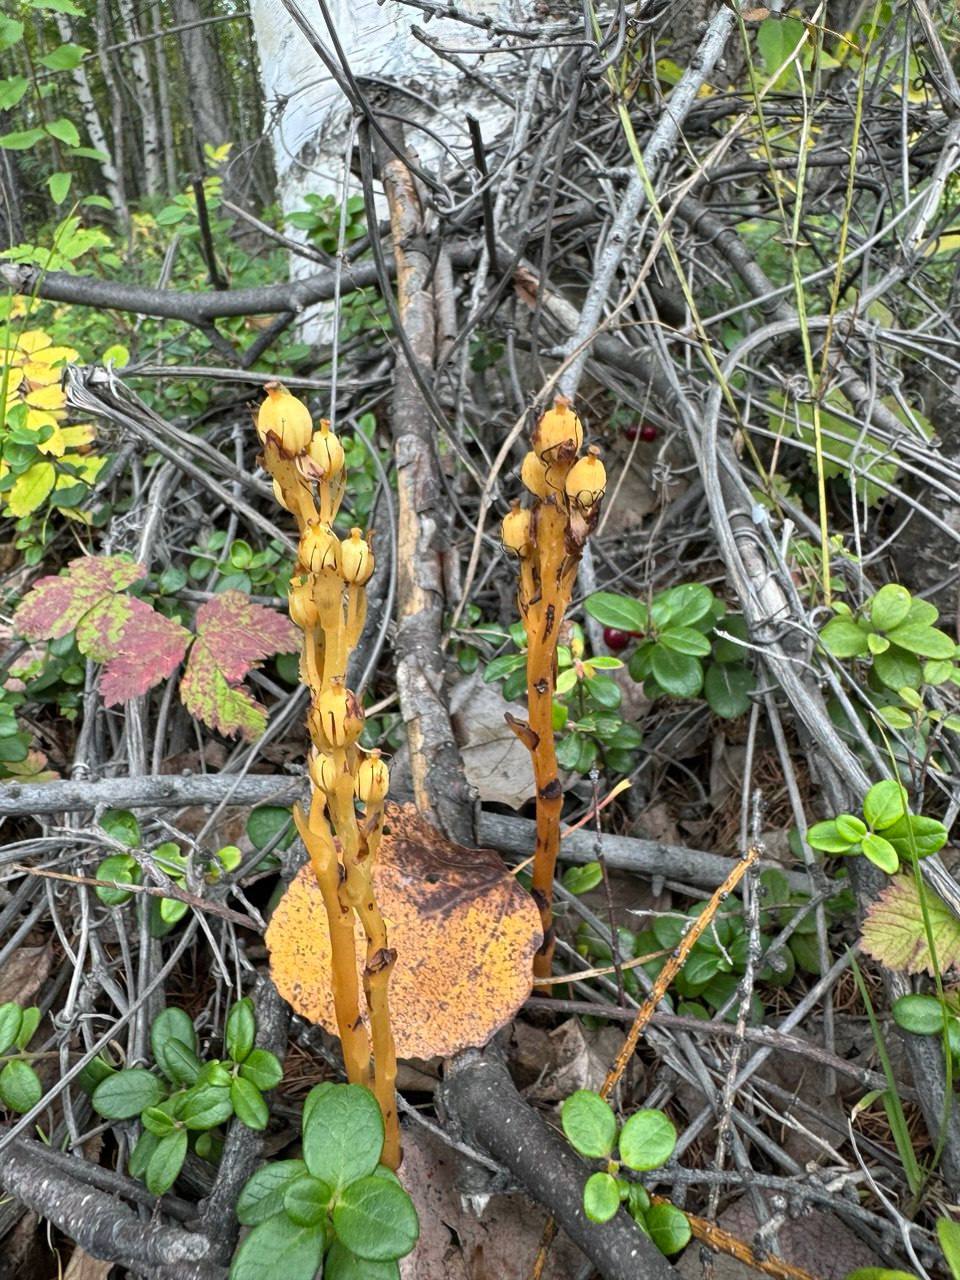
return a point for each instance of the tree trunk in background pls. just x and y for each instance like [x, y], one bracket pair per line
[163, 94]
[95, 129]
[311, 129]
[143, 92]
[113, 90]
[206, 104]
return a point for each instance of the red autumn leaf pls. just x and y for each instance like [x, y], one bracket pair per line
[146, 652]
[87, 598]
[233, 635]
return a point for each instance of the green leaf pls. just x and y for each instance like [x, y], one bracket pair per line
[10, 1017]
[172, 910]
[890, 606]
[677, 674]
[121, 869]
[262, 1195]
[241, 1029]
[582, 879]
[56, 6]
[64, 58]
[262, 1069]
[122, 826]
[12, 90]
[11, 32]
[928, 642]
[894, 933]
[59, 184]
[827, 837]
[207, 1105]
[503, 666]
[685, 640]
[604, 691]
[948, 1233]
[126, 1094]
[64, 131]
[164, 1165]
[20, 1087]
[341, 1264]
[375, 1219]
[29, 1022]
[884, 803]
[265, 825]
[20, 141]
[601, 1197]
[880, 1273]
[305, 1201]
[897, 669]
[343, 1135]
[894, 717]
[727, 688]
[881, 853]
[621, 612]
[147, 1144]
[158, 1121]
[278, 1247]
[667, 1227]
[647, 1140]
[850, 828]
[844, 638]
[248, 1104]
[914, 836]
[921, 1015]
[589, 1124]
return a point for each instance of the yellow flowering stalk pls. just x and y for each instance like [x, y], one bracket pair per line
[344, 824]
[548, 538]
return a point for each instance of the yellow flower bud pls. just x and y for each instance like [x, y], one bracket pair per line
[326, 451]
[533, 473]
[336, 718]
[515, 531]
[372, 780]
[319, 548]
[303, 608]
[285, 417]
[323, 771]
[278, 494]
[586, 481]
[356, 559]
[559, 433]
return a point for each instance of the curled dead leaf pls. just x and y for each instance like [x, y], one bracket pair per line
[465, 934]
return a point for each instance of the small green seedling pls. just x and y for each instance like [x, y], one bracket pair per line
[905, 835]
[338, 1208]
[646, 1141]
[190, 1100]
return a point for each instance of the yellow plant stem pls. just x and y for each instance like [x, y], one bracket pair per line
[359, 894]
[542, 616]
[354, 1040]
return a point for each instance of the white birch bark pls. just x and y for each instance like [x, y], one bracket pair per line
[95, 129]
[143, 88]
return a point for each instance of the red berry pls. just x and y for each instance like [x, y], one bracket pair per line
[615, 639]
[648, 432]
[631, 433]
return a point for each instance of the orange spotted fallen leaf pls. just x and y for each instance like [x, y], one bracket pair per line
[465, 934]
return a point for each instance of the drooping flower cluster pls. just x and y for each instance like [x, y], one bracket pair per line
[548, 537]
[344, 824]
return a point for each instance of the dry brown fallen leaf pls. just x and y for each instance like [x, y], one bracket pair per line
[465, 934]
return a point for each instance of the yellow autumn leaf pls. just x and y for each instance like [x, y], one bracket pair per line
[76, 436]
[87, 465]
[13, 378]
[47, 398]
[40, 375]
[943, 244]
[37, 418]
[54, 445]
[74, 513]
[33, 340]
[56, 355]
[31, 489]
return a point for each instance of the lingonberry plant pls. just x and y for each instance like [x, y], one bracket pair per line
[189, 1101]
[548, 538]
[338, 1208]
[644, 1142]
[343, 826]
[20, 1087]
[886, 833]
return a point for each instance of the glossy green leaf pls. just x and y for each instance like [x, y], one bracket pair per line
[890, 606]
[342, 1135]
[667, 1227]
[921, 1015]
[881, 853]
[647, 1140]
[278, 1247]
[375, 1218]
[727, 688]
[601, 1197]
[262, 1194]
[206, 1106]
[305, 1200]
[241, 1030]
[582, 879]
[884, 803]
[621, 612]
[589, 1124]
[263, 1069]
[948, 1233]
[916, 836]
[248, 1104]
[927, 642]
[20, 1087]
[341, 1264]
[10, 1018]
[126, 1094]
[164, 1165]
[678, 674]
[844, 638]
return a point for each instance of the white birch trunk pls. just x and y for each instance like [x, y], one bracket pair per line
[310, 135]
[143, 86]
[95, 129]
